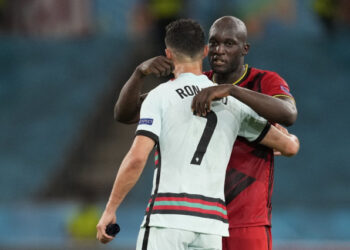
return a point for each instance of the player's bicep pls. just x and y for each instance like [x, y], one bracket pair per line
[136, 116]
[287, 99]
[142, 98]
[290, 109]
[142, 146]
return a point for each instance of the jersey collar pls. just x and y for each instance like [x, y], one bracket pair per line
[186, 74]
[244, 76]
[241, 79]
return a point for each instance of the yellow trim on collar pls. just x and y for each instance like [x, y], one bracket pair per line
[244, 74]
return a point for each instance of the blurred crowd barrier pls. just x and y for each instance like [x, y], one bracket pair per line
[49, 18]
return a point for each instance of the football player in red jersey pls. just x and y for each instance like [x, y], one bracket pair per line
[249, 177]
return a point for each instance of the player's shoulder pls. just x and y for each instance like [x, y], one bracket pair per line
[268, 73]
[158, 92]
[267, 76]
[162, 87]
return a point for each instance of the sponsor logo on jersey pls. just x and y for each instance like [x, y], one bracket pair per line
[146, 121]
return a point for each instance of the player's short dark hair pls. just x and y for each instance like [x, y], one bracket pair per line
[186, 36]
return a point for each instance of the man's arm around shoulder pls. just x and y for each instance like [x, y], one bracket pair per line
[127, 107]
[280, 110]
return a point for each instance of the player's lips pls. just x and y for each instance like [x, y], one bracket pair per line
[218, 61]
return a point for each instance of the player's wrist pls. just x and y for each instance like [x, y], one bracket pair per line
[232, 90]
[138, 73]
[111, 207]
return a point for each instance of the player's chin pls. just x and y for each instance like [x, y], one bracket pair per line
[219, 69]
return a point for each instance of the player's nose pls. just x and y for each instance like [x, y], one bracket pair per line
[219, 48]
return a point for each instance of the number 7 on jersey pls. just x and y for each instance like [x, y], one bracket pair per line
[205, 138]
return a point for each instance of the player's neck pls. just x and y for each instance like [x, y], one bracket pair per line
[230, 77]
[188, 67]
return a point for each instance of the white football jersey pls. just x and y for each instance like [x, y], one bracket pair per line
[193, 153]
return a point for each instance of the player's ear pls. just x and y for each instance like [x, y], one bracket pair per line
[168, 53]
[205, 51]
[246, 47]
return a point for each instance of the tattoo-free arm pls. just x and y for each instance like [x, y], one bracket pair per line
[128, 174]
[130, 170]
[277, 110]
[280, 110]
[127, 107]
[283, 142]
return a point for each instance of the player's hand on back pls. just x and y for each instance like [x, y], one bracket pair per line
[202, 101]
[159, 66]
[106, 218]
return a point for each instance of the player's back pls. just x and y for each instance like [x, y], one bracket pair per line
[194, 149]
[188, 188]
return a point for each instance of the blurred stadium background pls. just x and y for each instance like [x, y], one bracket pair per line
[62, 64]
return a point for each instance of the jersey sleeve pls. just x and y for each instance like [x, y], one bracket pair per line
[274, 85]
[253, 127]
[150, 117]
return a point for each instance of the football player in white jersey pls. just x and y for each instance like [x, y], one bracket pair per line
[187, 206]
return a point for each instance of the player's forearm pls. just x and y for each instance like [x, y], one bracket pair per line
[273, 109]
[292, 146]
[127, 107]
[287, 144]
[128, 174]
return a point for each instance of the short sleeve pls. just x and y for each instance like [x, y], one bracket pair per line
[253, 127]
[274, 85]
[150, 117]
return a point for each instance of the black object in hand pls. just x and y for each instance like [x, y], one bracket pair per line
[112, 229]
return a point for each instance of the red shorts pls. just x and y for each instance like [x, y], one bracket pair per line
[248, 238]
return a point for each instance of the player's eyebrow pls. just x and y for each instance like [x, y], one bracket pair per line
[231, 40]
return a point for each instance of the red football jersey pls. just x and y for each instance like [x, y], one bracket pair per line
[249, 174]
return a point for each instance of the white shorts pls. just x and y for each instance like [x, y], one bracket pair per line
[159, 238]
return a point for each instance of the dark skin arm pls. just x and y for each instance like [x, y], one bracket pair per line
[127, 107]
[280, 110]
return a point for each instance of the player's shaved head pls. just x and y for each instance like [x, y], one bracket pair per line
[227, 46]
[230, 23]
